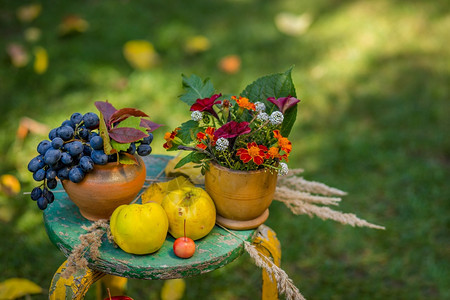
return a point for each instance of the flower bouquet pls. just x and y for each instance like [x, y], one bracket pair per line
[240, 142]
[245, 132]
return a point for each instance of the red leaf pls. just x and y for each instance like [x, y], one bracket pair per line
[106, 109]
[124, 113]
[151, 126]
[126, 134]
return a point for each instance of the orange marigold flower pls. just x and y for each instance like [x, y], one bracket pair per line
[253, 152]
[283, 142]
[273, 152]
[244, 103]
[209, 133]
[169, 136]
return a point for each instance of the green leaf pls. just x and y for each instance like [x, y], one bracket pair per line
[188, 131]
[275, 85]
[194, 156]
[196, 88]
[103, 132]
[120, 146]
[127, 159]
[133, 122]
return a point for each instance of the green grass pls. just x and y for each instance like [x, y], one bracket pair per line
[374, 80]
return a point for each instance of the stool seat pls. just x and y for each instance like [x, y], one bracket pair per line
[64, 222]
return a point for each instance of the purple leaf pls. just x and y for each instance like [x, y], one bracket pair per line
[124, 113]
[151, 126]
[106, 109]
[126, 134]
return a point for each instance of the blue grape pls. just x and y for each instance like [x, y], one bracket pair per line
[132, 148]
[43, 146]
[65, 132]
[96, 142]
[99, 157]
[52, 156]
[36, 193]
[63, 173]
[66, 158]
[53, 133]
[84, 133]
[144, 149]
[48, 195]
[87, 150]
[36, 163]
[86, 164]
[50, 174]
[39, 175]
[57, 142]
[76, 175]
[75, 148]
[76, 118]
[91, 120]
[52, 183]
[42, 203]
[148, 140]
[68, 123]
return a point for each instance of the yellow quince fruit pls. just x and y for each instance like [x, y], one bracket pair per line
[139, 228]
[190, 209]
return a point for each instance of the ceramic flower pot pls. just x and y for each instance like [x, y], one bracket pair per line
[105, 188]
[242, 198]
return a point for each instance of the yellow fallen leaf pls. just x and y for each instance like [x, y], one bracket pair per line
[158, 190]
[173, 289]
[19, 57]
[27, 13]
[40, 60]
[189, 170]
[18, 287]
[197, 44]
[9, 185]
[140, 54]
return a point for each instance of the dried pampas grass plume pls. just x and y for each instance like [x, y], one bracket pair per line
[89, 242]
[306, 197]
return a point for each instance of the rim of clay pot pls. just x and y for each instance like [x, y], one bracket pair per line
[218, 166]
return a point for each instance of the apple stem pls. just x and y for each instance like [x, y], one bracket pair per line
[109, 293]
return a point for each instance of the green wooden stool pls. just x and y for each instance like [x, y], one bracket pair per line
[63, 224]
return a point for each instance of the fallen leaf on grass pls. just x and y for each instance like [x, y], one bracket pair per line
[73, 24]
[18, 55]
[230, 64]
[197, 44]
[9, 185]
[40, 60]
[292, 24]
[32, 34]
[140, 54]
[14, 288]
[27, 13]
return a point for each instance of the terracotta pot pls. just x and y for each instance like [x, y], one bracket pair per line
[242, 198]
[105, 188]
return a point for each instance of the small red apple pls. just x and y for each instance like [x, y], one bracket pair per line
[184, 247]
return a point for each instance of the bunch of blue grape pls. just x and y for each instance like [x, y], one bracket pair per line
[70, 153]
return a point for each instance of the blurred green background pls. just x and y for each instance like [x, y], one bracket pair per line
[374, 80]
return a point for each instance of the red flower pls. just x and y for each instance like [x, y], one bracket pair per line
[232, 129]
[206, 104]
[284, 103]
[253, 152]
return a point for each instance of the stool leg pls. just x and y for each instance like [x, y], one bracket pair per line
[266, 243]
[75, 287]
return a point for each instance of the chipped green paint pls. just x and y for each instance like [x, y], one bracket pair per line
[63, 224]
